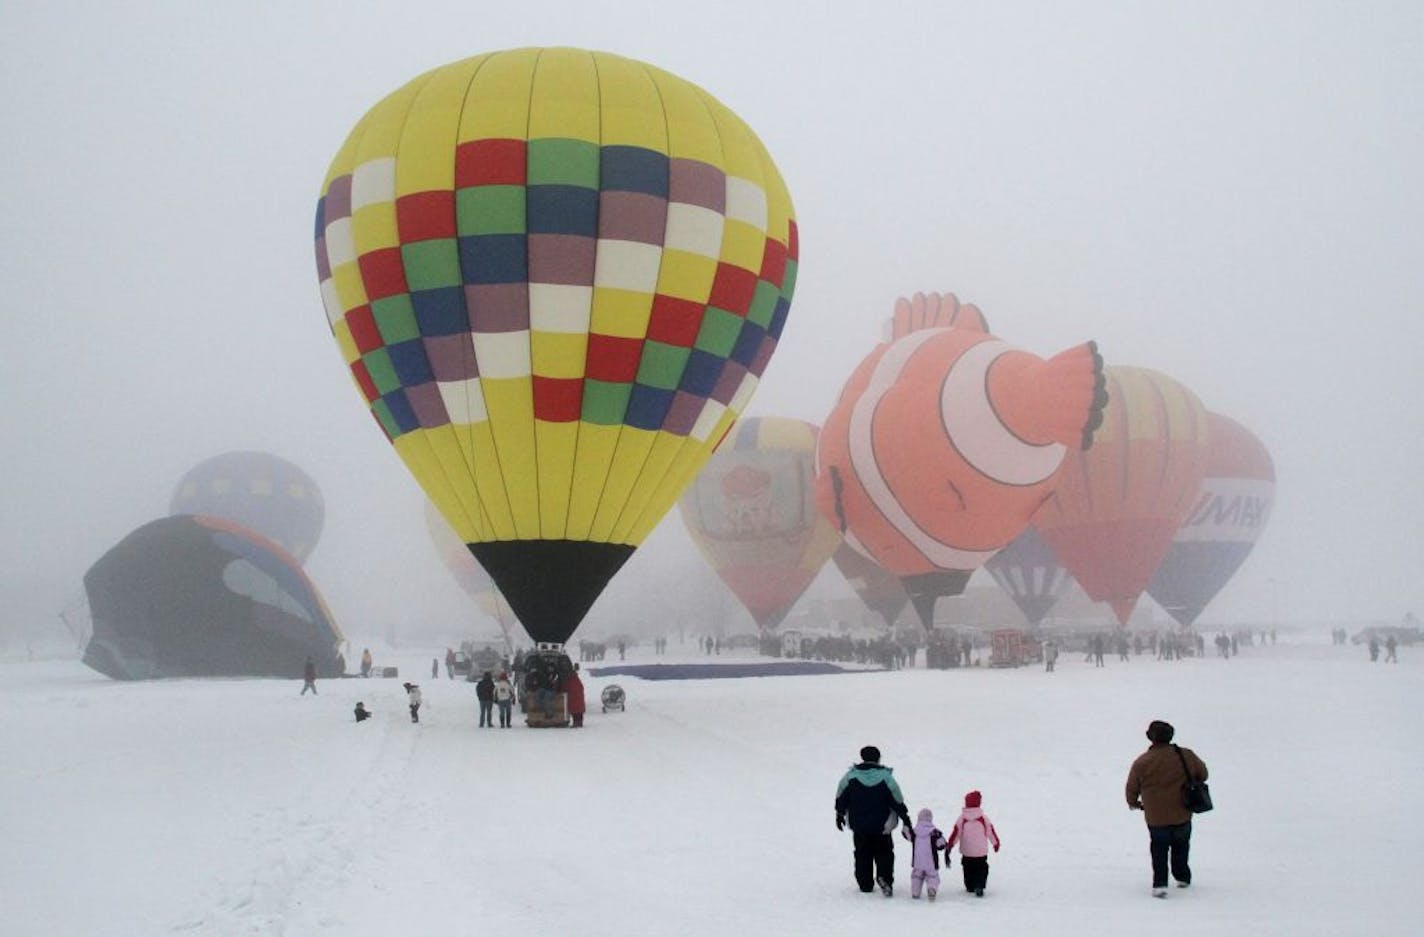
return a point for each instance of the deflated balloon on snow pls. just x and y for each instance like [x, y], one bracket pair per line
[556, 276]
[200, 596]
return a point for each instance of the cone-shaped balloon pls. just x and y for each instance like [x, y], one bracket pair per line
[556, 277]
[1228, 515]
[752, 514]
[467, 571]
[1029, 572]
[262, 492]
[946, 440]
[881, 592]
[1119, 504]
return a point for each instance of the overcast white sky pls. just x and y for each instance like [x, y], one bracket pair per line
[1229, 192]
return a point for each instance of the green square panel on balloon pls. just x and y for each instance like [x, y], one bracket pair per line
[383, 373]
[395, 319]
[662, 365]
[719, 331]
[561, 161]
[431, 264]
[490, 209]
[763, 303]
[383, 415]
[605, 403]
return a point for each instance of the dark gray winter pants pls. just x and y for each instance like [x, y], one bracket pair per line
[1169, 845]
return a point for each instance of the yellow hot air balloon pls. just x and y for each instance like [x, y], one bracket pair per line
[556, 276]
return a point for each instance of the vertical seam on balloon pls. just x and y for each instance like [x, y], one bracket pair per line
[538, 527]
[468, 348]
[1159, 403]
[593, 279]
[424, 441]
[623, 427]
[667, 210]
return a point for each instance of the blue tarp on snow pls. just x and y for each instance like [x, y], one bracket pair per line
[782, 668]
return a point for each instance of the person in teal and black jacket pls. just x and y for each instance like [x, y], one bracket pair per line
[870, 800]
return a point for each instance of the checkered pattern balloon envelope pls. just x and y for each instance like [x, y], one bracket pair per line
[556, 276]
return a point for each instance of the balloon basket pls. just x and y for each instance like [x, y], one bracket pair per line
[554, 716]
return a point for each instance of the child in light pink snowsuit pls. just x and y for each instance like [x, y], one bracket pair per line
[975, 834]
[925, 843]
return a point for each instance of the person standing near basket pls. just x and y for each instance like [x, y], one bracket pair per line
[1155, 785]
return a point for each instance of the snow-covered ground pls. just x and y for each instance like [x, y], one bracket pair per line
[240, 807]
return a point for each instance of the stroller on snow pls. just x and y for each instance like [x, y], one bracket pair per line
[612, 697]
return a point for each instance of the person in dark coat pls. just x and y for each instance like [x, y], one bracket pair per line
[869, 799]
[1154, 786]
[484, 692]
[309, 677]
[362, 713]
[573, 693]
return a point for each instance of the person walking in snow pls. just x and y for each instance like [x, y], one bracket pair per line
[366, 662]
[362, 713]
[1391, 648]
[412, 692]
[975, 834]
[484, 693]
[869, 799]
[925, 843]
[504, 698]
[309, 677]
[1050, 655]
[1154, 786]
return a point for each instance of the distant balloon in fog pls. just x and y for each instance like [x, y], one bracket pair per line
[752, 514]
[262, 492]
[1118, 505]
[881, 591]
[1030, 573]
[1224, 522]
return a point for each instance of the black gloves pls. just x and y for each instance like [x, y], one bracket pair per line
[840, 821]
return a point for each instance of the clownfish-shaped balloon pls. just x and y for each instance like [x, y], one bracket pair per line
[945, 441]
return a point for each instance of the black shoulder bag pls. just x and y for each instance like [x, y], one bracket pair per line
[1196, 796]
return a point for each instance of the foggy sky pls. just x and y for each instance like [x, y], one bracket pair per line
[1229, 193]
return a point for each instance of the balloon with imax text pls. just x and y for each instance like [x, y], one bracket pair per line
[944, 442]
[556, 276]
[1229, 513]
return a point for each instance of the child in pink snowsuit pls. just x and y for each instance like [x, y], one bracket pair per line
[925, 843]
[975, 834]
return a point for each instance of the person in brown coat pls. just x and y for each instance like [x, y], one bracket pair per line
[1154, 786]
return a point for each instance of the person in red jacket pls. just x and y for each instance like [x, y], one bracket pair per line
[975, 834]
[573, 694]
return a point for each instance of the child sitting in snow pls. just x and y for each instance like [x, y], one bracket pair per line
[975, 834]
[925, 843]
